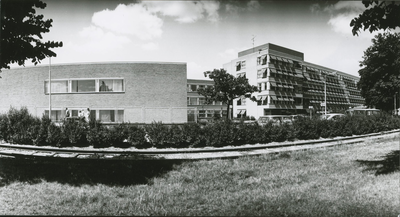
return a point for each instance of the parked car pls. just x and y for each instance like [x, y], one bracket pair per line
[275, 119]
[332, 116]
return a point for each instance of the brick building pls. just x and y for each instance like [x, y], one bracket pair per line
[136, 92]
[289, 85]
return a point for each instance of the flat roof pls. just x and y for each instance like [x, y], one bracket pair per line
[274, 47]
[96, 63]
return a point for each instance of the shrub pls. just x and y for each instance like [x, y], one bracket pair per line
[20, 126]
[4, 127]
[97, 134]
[280, 133]
[158, 134]
[137, 137]
[220, 133]
[305, 128]
[55, 137]
[118, 135]
[41, 132]
[75, 131]
[250, 134]
[192, 134]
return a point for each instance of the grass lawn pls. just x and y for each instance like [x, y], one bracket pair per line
[350, 180]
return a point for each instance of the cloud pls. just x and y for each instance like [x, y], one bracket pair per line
[185, 11]
[354, 6]
[149, 46]
[133, 19]
[341, 15]
[195, 71]
[95, 35]
[229, 54]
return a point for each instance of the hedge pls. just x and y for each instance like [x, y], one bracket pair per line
[20, 127]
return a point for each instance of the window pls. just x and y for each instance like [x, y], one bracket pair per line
[56, 86]
[243, 64]
[241, 74]
[202, 101]
[241, 113]
[202, 113]
[264, 59]
[56, 115]
[262, 73]
[238, 66]
[193, 87]
[192, 101]
[258, 61]
[83, 86]
[111, 85]
[111, 115]
[217, 113]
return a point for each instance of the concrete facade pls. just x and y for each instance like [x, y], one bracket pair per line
[289, 85]
[137, 92]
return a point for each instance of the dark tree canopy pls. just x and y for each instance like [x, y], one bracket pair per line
[21, 33]
[380, 71]
[382, 15]
[226, 88]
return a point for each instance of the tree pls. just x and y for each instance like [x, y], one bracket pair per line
[226, 88]
[21, 33]
[379, 75]
[382, 15]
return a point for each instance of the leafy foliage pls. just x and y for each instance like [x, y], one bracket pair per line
[382, 15]
[18, 126]
[21, 33]
[226, 88]
[379, 77]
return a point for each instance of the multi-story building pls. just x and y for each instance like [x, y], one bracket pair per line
[198, 110]
[290, 85]
[135, 92]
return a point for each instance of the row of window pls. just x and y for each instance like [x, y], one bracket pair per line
[106, 116]
[281, 61]
[264, 100]
[200, 101]
[283, 69]
[85, 85]
[205, 113]
[355, 94]
[195, 87]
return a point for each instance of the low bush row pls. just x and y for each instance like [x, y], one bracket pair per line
[20, 127]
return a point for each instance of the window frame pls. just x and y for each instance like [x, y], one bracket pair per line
[97, 81]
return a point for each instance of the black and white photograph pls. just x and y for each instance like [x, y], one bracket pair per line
[199, 108]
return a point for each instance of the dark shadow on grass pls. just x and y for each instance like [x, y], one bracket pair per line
[389, 164]
[83, 171]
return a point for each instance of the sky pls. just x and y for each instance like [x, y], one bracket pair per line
[203, 34]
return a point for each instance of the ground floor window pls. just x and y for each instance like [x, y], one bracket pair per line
[56, 115]
[111, 116]
[241, 113]
[104, 115]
